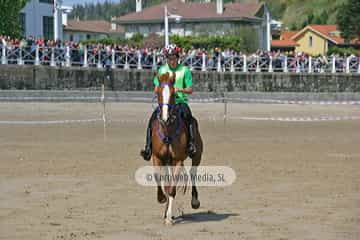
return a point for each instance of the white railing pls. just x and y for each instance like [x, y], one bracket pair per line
[100, 58]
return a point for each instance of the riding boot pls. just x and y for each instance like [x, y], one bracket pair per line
[146, 152]
[191, 142]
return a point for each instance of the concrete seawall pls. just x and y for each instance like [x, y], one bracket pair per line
[14, 77]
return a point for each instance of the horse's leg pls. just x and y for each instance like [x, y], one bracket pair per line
[171, 191]
[195, 203]
[157, 165]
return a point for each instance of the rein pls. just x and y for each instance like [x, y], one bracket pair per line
[169, 139]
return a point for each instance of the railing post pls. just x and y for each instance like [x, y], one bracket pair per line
[203, 65]
[333, 68]
[37, 56]
[191, 63]
[99, 64]
[154, 67]
[67, 57]
[3, 55]
[297, 65]
[271, 64]
[285, 65]
[86, 64]
[257, 64]
[358, 65]
[139, 67]
[232, 68]
[113, 65]
[244, 63]
[348, 65]
[310, 64]
[126, 61]
[52, 61]
[219, 63]
[20, 60]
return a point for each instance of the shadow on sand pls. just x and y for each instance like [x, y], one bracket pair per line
[206, 216]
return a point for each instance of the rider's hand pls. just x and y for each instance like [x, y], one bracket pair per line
[179, 90]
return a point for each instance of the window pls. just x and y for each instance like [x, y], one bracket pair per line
[310, 41]
[48, 27]
[22, 20]
[47, 1]
[88, 36]
[71, 37]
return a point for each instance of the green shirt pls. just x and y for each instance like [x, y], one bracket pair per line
[183, 80]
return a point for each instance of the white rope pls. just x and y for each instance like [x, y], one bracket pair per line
[297, 119]
[47, 98]
[194, 100]
[249, 118]
[50, 122]
[276, 101]
[212, 118]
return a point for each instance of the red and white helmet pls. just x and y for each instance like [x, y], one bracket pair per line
[171, 49]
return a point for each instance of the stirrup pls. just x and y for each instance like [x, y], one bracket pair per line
[191, 149]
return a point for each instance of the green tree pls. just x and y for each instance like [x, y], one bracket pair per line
[348, 19]
[9, 17]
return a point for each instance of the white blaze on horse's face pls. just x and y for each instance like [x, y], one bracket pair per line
[165, 105]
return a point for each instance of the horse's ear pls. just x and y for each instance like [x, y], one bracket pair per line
[163, 77]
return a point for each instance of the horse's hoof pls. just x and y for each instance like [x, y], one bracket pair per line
[168, 222]
[195, 204]
[162, 199]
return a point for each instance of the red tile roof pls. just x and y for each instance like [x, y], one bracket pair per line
[287, 35]
[193, 11]
[330, 32]
[283, 43]
[95, 26]
[325, 30]
[285, 40]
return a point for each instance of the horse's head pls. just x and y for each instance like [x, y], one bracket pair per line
[166, 95]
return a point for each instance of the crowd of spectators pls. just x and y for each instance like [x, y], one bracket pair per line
[212, 59]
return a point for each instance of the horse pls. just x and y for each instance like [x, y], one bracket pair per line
[169, 146]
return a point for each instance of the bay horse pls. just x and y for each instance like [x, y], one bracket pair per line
[169, 145]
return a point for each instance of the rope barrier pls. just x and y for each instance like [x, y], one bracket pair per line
[103, 99]
[249, 118]
[297, 119]
[50, 122]
[192, 100]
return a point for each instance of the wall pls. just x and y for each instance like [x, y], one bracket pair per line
[319, 44]
[50, 78]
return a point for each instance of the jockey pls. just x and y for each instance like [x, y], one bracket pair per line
[183, 87]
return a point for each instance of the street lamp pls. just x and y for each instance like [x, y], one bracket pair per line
[166, 21]
[56, 12]
[56, 23]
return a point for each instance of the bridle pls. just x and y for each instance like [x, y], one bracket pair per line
[169, 139]
[160, 105]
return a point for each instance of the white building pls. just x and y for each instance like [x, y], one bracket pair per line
[39, 17]
[76, 30]
[188, 19]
